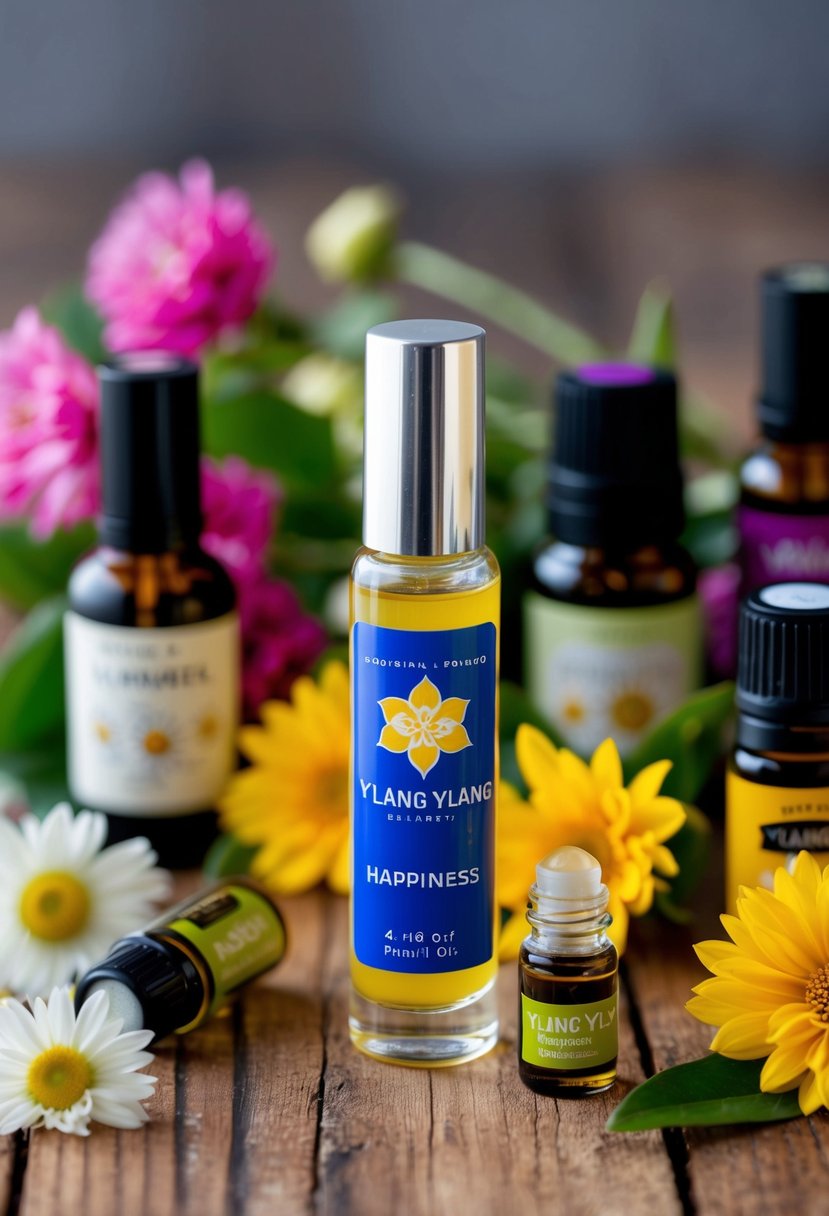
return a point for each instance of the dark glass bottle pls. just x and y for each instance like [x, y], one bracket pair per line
[784, 506]
[151, 635]
[568, 981]
[612, 638]
[777, 788]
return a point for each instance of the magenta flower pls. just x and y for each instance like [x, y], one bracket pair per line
[177, 263]
[719, 593]
[239, 505]
[48, 428]
[280, 641]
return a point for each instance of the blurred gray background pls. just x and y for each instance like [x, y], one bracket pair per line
[578, 146]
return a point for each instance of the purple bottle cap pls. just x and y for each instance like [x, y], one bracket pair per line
[625, 375]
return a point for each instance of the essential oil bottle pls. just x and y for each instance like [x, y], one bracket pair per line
[612, 629]
[178, 971]
[784, 509]
[568, 969]
[151, 635]
[777, 787]
[425, 600]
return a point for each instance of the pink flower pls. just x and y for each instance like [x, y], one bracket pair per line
[48, 427]
[177, 263]
[280, 642]
[719, 593]
[239, 505]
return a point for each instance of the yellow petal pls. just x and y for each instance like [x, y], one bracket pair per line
[618, 931]
[782, 1070]
[537, 757]
[339, 873]
[809, 1096]
[647, 783]
[455, 741]
[454, 708]
[396, 707]
[334, 683]
[392, 740]
[606, 766]
[424, 695]
[424, 756]
[512, 935]
[743, 1037]
[664, 861]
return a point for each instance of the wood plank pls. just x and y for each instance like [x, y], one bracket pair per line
[744, 1171]
[9, 1146]
[234, 1114]
[473, 1138]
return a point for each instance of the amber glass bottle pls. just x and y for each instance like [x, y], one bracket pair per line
[784, 509]
[777, 789]
[612, 637]
[151, 635]
[568, 980]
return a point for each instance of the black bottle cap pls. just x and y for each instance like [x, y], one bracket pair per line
[615, 477]
[149, 452]
[794, 398]
[783, 667]
[164, 981]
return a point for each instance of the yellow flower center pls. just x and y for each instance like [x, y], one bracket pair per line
[156, 742]
[817, 992]
[59, 1077]
[54, 906]
[632, 710]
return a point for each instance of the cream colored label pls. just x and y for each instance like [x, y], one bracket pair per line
[610, 672]
[151, 714]
[766, 826]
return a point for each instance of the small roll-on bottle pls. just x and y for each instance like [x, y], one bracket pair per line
[568, 980]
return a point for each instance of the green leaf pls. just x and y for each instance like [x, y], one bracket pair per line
[69, 310]
[653, 340]
[342, 329]
[703, 1093]
[31, 570]
[271, 433]
[41, 772]
[227, 856]
[691, 738]
[31, 679]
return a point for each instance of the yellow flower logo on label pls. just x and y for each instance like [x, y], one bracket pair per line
[424, 726]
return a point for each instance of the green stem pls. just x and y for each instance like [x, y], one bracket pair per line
[508, 307]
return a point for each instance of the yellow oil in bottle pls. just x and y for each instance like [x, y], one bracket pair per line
[425, 612]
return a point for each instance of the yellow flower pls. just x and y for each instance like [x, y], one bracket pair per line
[573, 803]
[323, 385]
[769, 992]
[293, 800]
[424, 726]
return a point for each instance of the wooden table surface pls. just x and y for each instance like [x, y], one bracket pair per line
[270, 1110]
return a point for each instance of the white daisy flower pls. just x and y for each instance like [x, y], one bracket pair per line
[64, 899]
[62, 1071]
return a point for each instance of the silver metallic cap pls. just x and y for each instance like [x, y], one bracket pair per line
[423, 472]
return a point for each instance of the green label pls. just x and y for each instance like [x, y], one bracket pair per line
[610, 672]
[569, 1036]
[238, 933]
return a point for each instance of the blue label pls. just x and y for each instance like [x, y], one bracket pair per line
[424, 797]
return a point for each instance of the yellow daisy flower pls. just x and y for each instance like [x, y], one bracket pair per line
[573, 803]
[769, 992]
[293, 800]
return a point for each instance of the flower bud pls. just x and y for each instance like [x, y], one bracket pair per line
[322, 385]
[352, 238]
